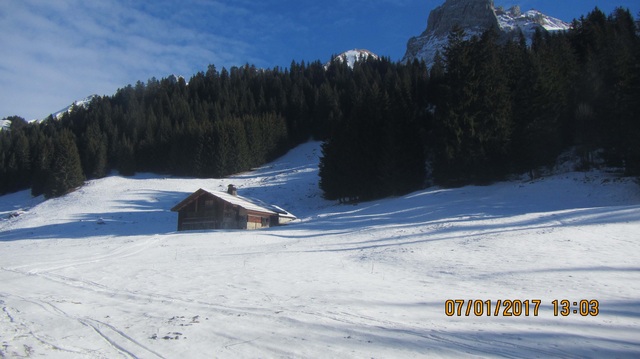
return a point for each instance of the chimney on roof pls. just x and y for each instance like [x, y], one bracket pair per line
[232, 190]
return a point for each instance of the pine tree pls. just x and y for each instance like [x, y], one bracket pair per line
[376, 151]
[624, 84]
[94, 152]
[66, 170]
[43, 150]
[21, 174]
[126, 160]
[494, 126]
[17, 122]
[549, 130]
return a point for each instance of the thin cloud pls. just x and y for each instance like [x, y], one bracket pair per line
[57, 52]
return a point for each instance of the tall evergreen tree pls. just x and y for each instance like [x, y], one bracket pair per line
[473, 116]
[44, 150]
[66, 170]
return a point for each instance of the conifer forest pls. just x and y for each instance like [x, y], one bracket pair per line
[484, 110]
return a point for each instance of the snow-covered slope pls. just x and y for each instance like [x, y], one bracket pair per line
[352, 56]
[101, 273]
[513, 20]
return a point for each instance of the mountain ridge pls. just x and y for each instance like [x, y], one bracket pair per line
[84, 103]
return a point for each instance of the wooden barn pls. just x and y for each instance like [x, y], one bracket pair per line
[206, 209]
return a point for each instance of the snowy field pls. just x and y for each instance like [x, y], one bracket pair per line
[102, 273]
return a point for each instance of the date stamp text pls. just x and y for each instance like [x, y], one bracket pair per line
[518, 307]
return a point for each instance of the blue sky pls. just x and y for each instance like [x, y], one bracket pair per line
[55, 52]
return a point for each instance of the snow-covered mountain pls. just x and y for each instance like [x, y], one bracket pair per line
[513, 20]
[102, 273]
[352, 56]
[476, 16]
[5, 124]
[79, 103]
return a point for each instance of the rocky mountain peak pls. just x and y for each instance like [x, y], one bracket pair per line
[468, 14]
[475, 17]
[513, 11]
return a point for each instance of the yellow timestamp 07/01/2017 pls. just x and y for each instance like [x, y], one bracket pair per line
[518, 307]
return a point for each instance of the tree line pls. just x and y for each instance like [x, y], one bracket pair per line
[512, 107]
[487, 109]
[483, 110]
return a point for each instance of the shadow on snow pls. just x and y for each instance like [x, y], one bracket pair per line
[127, 218]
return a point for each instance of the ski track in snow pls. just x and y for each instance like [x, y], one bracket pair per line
[101, 272]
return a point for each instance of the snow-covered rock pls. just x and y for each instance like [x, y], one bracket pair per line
[5, 124]
[79, 103]
[353, 56]
[475, 17]
[514, 20]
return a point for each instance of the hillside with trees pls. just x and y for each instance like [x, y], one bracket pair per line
[484, 110]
